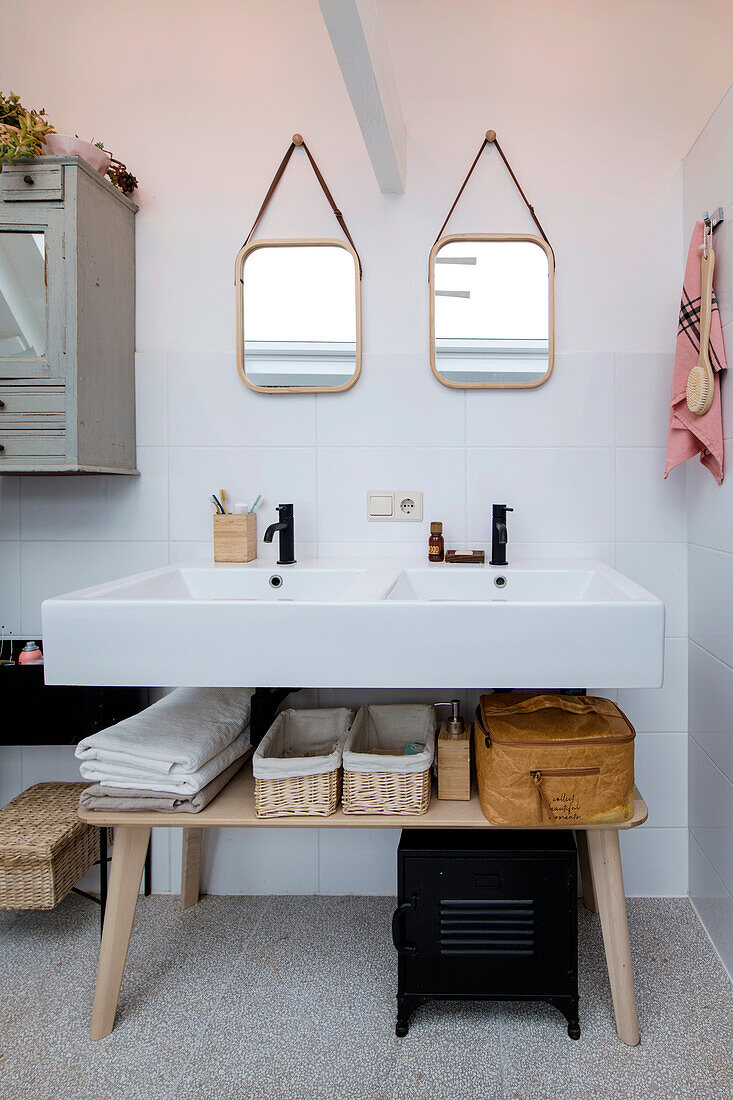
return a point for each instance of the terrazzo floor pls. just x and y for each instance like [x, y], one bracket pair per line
[292, 998]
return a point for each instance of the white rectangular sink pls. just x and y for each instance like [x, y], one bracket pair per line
[325, 624]
[230, 582]
[475, 584]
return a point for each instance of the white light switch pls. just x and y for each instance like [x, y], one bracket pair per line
[402, 506]
[380, 505]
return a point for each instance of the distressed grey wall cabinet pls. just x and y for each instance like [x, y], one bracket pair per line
[67, 320]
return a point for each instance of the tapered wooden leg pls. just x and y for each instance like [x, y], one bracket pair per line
[190, 866]
[128, 860]
[605, 863]
[586, 875]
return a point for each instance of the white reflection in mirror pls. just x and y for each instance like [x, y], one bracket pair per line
[299, 315]
[22, 295]
[491, 312]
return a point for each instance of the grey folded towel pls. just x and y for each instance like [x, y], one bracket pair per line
[98, 797]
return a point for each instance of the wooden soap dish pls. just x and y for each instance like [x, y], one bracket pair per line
[465, 557]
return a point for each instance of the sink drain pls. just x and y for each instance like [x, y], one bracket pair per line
[500, 582]
[275, 581]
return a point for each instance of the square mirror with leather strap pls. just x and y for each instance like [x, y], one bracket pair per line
[298, 304]
[492, 310]
[298, 316]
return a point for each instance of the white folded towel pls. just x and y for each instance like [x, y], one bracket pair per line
[177, 735]
[176, 782]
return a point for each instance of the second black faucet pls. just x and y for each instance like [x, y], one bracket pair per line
[286, 529]
[499, 535]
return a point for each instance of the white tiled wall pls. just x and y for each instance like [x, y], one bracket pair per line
[708, 177]
[577, 489]
[580, 458]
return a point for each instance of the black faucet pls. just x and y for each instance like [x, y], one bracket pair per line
[286, 527]
[498, 534]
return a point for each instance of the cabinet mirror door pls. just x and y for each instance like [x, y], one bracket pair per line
[23, 312]
[491, 311]
[298, 316]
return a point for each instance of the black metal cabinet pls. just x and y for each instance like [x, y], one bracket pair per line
[486, 915]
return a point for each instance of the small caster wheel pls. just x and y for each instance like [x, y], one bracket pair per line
[401, 1028]
[574, 1031]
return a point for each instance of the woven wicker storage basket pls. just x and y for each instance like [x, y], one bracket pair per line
[384, 784]
[44, 847]
[287, 784]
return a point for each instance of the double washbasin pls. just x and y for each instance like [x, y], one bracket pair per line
[558, 624]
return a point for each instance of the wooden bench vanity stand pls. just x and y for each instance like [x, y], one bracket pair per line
[233, 808]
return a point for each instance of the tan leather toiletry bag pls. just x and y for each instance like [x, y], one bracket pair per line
[553, 759]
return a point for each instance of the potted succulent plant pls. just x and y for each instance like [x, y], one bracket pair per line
[23, 133]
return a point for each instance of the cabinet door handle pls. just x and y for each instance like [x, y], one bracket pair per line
[2, 447]
[400, 946]
[29, 180]
[2, 404]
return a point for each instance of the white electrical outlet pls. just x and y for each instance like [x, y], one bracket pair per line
[403, 506]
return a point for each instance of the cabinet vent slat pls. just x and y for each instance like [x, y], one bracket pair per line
[486, 927]
[514, 951]
[488, 903]
[475, 918]
[488, 941]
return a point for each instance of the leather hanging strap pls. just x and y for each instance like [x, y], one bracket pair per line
[298, 141]
[491, 139]
[271, 190]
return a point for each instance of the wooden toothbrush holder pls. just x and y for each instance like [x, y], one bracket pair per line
[235, 537]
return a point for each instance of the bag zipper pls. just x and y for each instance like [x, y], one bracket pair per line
[564, 741]
[622, 740]
[538, 774]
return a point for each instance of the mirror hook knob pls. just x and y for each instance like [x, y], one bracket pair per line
[491, 135]
[297, 139]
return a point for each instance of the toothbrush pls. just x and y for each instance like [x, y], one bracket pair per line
[215, 500]
[257, 501]
[223, 498]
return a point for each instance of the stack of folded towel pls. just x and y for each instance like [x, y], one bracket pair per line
[174, 756]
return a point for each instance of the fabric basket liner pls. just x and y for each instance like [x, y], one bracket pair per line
[302, 730]
[390, 727]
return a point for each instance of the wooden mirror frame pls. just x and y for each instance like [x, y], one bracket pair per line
[550, 301]
[304, 242]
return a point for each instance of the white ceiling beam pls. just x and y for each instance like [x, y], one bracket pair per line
[361, 49]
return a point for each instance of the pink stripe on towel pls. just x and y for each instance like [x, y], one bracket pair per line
[689, 434]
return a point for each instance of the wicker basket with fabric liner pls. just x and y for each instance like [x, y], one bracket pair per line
[380, 775]
[544, 759]
[297, 765]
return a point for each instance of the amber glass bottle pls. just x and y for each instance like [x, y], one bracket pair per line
[436, 546]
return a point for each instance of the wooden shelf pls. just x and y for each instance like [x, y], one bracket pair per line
[234, 809]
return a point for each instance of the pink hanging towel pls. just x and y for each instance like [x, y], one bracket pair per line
[689, 434]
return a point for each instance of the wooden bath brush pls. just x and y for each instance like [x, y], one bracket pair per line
[701, 383]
